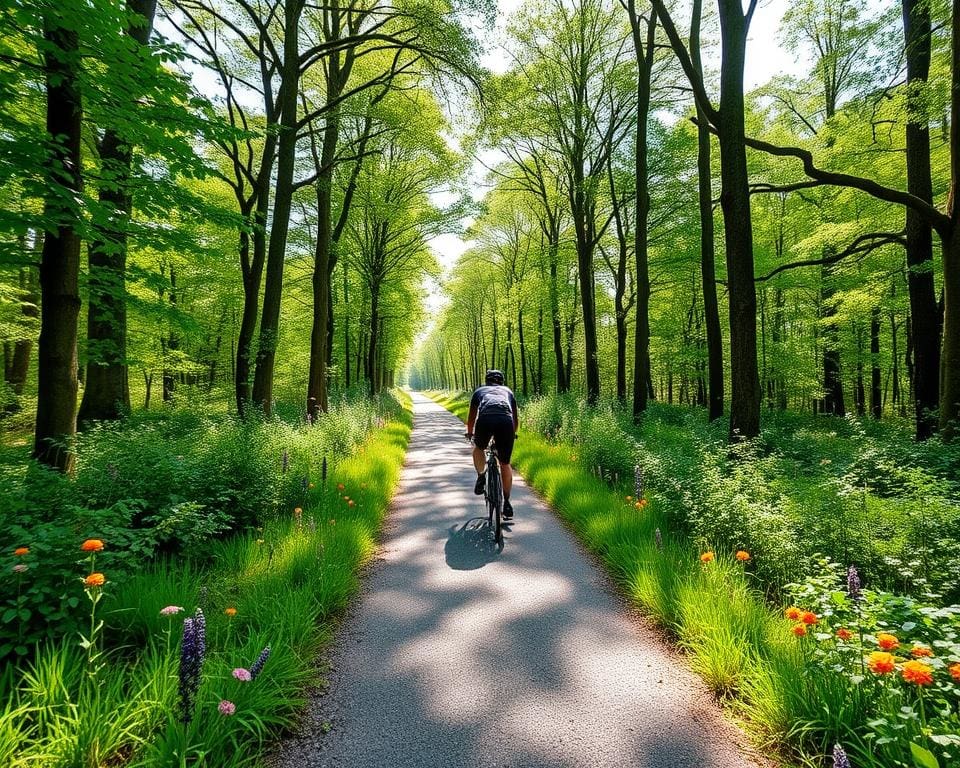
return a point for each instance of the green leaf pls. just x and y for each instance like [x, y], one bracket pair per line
[9, 615]
[923, 758]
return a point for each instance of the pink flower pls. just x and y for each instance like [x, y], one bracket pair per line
[21, 568]
[170, 610]
[227, 708]
[243, 675]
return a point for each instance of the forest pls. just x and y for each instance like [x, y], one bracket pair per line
[221, 262]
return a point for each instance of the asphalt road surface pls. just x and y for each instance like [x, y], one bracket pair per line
[462, 655]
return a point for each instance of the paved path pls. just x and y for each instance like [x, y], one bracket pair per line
[459, 655]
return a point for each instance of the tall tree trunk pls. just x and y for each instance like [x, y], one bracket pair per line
[286, 161]
[920, 282]
[523, 350]
[170, 344]
[708, 270]
[563, 379]
[60, 262]
[833, 404]
[374, 338]
[18, 369]
[106, 393]
[738, 231]
[876, 401]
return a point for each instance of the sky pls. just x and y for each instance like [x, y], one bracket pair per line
[766, 57]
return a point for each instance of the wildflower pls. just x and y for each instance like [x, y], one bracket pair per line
[844, 634]
[346, 498]
[658, 539]
[95, 580]
[259, 541]
[171, 610]
[331, 521]
[21, 551]
[243, 675]
[227, 708]
[257, 666]
[192, 652]
[954, 670]
[881, 662]
[341, 487]
[351, 503]
[921, 651]
[312, 486]
[799, 630]
[793, 613]
[809, 617]
[230, 611]
[742, 555]
[853, 583]
[917, 672]
[21, 568]
[840, 759]
[887, 642]
[298, 515]
[706, 557]
[92, 545]
[629, 498]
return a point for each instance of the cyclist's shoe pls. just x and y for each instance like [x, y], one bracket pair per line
[478, 486]
[507, 510]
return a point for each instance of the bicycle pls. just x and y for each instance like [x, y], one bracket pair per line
[493, 491]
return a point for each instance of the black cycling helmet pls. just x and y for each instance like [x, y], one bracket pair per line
[494, 377]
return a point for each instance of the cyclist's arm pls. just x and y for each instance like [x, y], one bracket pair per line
[516, 415]
[471, 418]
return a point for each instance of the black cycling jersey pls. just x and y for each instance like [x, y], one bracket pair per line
[493, 400]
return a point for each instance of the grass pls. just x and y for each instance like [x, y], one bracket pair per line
[286, 579]
[799, 695]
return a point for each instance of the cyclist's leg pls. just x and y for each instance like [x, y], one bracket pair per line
[481, 436]
[503, 433]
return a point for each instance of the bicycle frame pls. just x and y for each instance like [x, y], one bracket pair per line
[493, 491]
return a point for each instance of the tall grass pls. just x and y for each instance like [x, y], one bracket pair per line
[284, 580]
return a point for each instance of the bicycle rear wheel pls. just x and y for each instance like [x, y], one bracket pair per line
[495, 503]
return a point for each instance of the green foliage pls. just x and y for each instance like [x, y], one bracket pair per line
[285, 580]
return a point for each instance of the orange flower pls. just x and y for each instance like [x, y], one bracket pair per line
[21, 551]
[954, 670]
[844, 634]
[350, 503]
[793, 613]
[799, 630]
[230, 611]
[809, 617]
[887, 642]
[92, 545]
[340, 486]
[706, 557]
[95, 580]
[742, 555]
[881, 662]
[921, 651]
[297, 511]
[917, 672]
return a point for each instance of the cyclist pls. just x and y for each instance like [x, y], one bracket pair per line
[493, 411]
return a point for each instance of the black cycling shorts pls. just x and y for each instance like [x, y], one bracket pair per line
[500, 427]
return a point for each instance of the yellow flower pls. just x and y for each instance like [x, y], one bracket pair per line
[881, 662]
[706, 557]
[887, 642]
[230, 611]
[793, 613]
[917, 672]
[95, 580]
[92, 545]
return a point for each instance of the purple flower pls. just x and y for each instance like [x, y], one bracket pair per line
[840, 759]
[853, 583]
[243, 675]
[192, 652]
[227, 708]
[171, 610]
[658, 539]
[257, 666]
